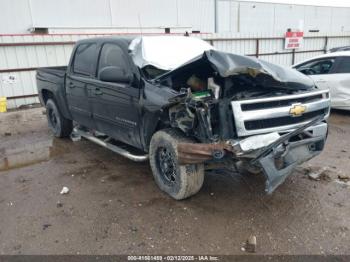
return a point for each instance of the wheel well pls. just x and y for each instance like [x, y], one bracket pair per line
[160, 125]
[46, 95]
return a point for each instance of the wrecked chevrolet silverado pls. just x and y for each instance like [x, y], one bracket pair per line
[186, 107]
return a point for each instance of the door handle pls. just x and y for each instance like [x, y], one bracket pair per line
[71, 85]
[98, 91]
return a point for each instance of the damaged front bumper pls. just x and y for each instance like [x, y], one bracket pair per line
[275, 154]
[281, 160]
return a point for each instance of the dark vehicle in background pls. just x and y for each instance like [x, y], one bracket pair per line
[186, 107]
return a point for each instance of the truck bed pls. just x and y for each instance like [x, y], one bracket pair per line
[55, 74]
[52, 81]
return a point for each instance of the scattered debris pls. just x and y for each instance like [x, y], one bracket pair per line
[22, 180]
[344, 178]
[59, 204]
[65, 190]
[212, 194]
[7, 134]
[45, 226]
[133, 229]
[343, 183]
[250, 245]
[314, 176]
[323, 174]
[75, 137]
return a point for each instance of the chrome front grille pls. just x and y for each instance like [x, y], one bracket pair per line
[263, 115]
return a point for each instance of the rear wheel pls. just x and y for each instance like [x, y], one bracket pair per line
[178, 181]
[59, 125]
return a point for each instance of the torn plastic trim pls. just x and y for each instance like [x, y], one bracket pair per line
[253, 143]
[290, 155]
[286, 137]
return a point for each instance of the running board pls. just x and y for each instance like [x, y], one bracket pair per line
[105, 143]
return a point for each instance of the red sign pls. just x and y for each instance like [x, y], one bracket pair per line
[293, 40]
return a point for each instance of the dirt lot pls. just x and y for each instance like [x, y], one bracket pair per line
[114, 207]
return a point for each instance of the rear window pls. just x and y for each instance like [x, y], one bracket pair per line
[112, 55]
[343, 66]
[84, 61]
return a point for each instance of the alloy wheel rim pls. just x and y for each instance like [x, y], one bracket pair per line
[166, 164]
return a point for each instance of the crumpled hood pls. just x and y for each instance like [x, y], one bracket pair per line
[227, 64]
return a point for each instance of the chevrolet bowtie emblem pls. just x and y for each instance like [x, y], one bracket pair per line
[297, 110]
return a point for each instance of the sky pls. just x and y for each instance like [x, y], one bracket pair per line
[309, 2]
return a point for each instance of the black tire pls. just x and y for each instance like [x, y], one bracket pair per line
[178, 181]
[59, 125]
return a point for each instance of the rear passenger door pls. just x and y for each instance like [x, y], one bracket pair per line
[340, 84]
[79, 78]
[116, 104]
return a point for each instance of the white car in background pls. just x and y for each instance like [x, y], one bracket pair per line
[330, 71]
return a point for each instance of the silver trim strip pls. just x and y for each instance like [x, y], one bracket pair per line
[282, 111]
[285, 97]
[114, 148]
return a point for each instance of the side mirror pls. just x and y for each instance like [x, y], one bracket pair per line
[114, 74]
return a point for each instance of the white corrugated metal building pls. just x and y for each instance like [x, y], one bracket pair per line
[39, 33]
[19, 16]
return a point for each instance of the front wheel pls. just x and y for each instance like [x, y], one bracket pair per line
[178, 181]
[59, 125]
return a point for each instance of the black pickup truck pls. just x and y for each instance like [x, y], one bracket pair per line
[186, 107]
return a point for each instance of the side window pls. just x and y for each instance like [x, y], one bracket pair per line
[317, 67]
[113, 55]
[343, 66]
[84, 60]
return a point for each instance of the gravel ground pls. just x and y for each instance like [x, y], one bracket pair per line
[114, 206]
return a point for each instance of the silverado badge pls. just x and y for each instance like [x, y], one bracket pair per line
[297, 110]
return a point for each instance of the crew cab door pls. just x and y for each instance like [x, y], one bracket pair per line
[115, 99]
[79, 78]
